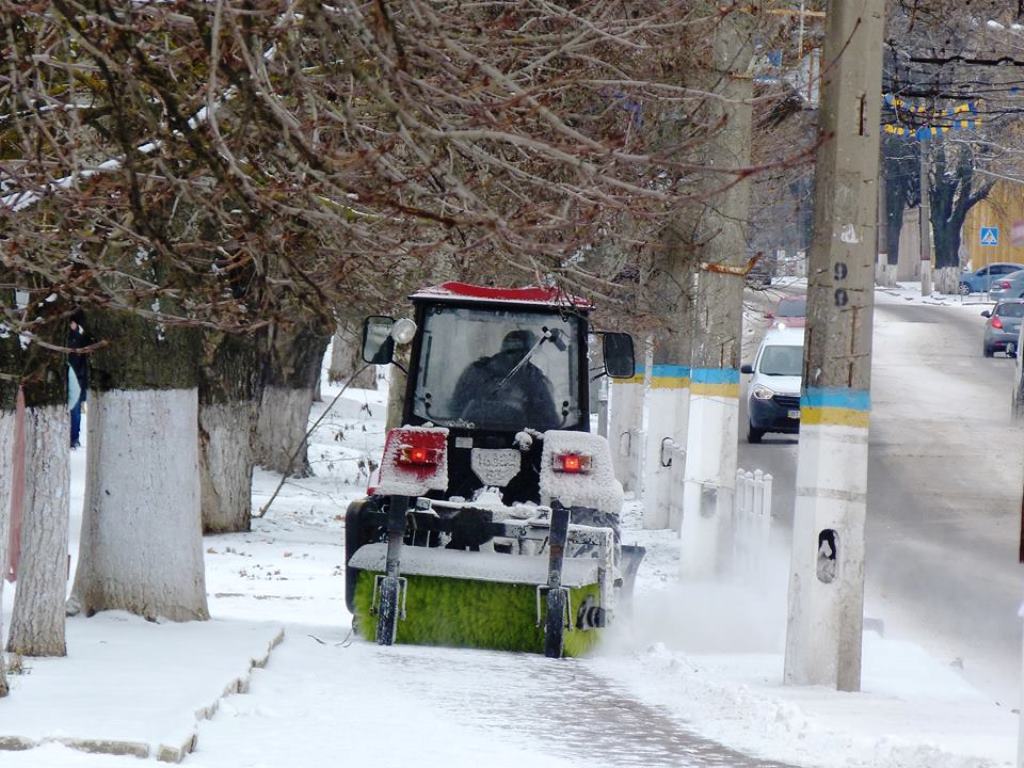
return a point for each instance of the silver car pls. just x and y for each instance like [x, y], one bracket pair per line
[1009, 286]
[1002, 328]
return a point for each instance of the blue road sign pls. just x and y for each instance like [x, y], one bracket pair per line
[989, 235]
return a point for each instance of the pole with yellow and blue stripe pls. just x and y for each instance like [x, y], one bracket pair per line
[667, 408]
[826, 586]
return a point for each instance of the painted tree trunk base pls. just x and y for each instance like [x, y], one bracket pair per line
[6, 463]
[141, 547]
[225, 465]
[280, 441]
[37, 622]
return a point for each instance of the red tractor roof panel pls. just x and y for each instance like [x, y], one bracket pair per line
[456, 291]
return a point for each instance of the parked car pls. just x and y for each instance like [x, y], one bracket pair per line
[1003, 328]
[773, 394]
[981, 280]
[760, 275]
[791, 312]
[1009, 286]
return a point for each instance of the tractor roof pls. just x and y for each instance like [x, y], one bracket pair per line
[537, 295]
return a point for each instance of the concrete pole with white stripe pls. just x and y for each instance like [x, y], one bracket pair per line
[826, 588]
[625, 426]
[712, 436]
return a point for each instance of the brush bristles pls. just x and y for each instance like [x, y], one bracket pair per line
[473, 614]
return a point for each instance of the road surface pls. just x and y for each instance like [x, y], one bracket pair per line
[944, 492]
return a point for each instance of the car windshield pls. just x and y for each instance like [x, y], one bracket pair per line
[792, 308]
[778, 360]
[484, 368]
[1009, 310]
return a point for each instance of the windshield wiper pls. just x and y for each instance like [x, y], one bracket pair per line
[554, 335]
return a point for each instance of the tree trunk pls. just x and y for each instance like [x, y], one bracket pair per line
[10, 353]
[895, 194]
[952, 195]
[141, 544]
[37, 622]
[946, 234]
[346, 358]
[6, 463]
[295, 358]
[227, 417]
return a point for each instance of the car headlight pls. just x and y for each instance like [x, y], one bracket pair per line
[761, 392]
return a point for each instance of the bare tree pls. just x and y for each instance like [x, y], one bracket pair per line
[192, 165]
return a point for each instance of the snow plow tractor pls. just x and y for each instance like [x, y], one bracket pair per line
[493, 518]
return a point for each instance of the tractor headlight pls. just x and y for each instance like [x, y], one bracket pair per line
[761, 392]
[403, 331]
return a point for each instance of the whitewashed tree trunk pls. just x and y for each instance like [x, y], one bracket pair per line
[293, 367]
[282, 423]
[6, 464]
[228, 388]
[225, 459]
[37, 622]
[346, 358]
[141, 543]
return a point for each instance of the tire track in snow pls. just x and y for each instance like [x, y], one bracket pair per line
[571, 710]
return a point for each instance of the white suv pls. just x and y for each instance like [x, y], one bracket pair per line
[773, 395]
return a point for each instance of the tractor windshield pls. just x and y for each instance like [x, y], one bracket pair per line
[494, 369]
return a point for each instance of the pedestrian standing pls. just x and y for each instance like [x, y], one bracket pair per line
[78, 368]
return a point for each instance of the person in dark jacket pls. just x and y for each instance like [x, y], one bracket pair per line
[80, 367]
[491, 391]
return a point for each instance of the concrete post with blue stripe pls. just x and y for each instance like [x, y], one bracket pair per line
[826, 587]
[713, 429]
[667, 407]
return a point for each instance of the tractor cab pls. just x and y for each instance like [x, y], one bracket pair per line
[493, 518]
[497, 367]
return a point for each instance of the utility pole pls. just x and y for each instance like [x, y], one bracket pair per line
[713, 428]
[926, 219]
[826, 587]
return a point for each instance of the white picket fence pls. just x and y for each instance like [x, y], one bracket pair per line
[752, 520]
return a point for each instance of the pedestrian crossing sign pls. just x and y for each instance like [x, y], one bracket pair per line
[989, 235]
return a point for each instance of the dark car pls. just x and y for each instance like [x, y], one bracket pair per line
[981, 280]
[790, 312]
[760, 275]
[1002, 328]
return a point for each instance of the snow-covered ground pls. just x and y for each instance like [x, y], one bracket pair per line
[697, 661]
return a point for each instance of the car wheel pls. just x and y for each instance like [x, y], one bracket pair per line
[754, 435]
[965, 289]
[988, 351]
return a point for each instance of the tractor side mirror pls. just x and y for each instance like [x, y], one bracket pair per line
[378, 343]
[619, 362]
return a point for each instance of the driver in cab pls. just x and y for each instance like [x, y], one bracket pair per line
[506, 388]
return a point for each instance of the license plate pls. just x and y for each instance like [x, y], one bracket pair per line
[794, 414]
